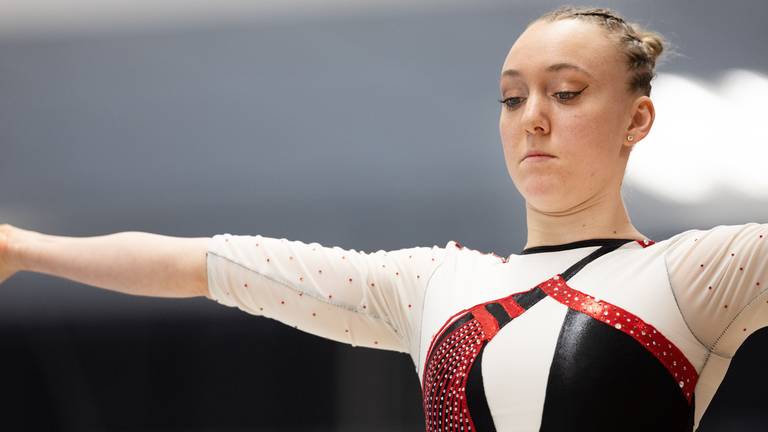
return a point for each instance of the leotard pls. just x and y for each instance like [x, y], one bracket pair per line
[597, 334]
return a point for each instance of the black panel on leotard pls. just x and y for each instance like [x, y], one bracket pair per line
[498, 312]
[476, 400]
[602, 379]
[529, 298]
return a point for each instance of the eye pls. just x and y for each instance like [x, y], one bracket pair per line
[564, 96]
[511, 102]
[568, 95]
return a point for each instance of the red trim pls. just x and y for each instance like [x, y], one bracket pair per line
[668, 354]
[445, 382]
[461, 246]
[432, 344]
[645, 243]
[486, 320]
[510, 305]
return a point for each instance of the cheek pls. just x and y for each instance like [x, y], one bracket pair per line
[510, 140]
[583, 139]
[579, 128]
[590, 156]
[507, 131]
[512, 135]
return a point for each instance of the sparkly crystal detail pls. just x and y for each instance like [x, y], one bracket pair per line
[445, 380]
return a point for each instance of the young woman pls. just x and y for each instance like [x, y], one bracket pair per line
[591, 326]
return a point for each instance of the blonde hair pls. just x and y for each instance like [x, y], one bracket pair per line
[641, 46]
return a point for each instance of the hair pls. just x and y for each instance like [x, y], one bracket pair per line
[641, 46]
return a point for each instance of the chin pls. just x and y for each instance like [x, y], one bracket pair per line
[545, 206]
[541, 187]
[544, 197]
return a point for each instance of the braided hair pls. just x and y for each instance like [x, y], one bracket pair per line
[641, 46]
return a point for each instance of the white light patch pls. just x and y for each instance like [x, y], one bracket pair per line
[748, 162]
[704, 138]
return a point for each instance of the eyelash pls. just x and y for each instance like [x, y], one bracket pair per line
[511, 107]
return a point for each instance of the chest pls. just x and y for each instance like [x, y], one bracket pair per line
[510, 344]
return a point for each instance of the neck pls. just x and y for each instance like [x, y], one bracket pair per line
[601, 216]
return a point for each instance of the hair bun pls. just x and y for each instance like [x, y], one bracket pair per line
[653, 44]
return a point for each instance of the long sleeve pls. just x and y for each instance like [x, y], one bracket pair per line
[355, 297]
[719, 277]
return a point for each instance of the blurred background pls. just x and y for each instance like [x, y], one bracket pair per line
[364, 125]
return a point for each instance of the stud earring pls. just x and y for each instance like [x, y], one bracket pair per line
[630, 138]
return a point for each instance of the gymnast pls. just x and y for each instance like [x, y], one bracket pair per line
[591, 326]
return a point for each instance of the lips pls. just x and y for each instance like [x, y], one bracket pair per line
[535, 154]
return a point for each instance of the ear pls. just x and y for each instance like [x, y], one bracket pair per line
[642, 114]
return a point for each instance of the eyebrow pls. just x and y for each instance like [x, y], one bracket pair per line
[552, 68]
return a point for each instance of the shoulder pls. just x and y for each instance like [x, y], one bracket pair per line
[715, 275]
[720, 253]
[739, 235]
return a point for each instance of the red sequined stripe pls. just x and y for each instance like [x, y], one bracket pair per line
[486, 320]
[510, 305]
[445, 393]
[434, 338]
[670, 356]
[444, 359]
[445, 401]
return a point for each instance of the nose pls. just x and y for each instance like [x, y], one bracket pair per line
[535, 120]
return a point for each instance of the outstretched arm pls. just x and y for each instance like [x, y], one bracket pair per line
[131, 262]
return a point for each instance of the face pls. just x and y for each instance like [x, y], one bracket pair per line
[579, 116]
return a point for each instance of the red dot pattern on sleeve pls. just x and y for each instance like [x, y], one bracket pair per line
[280, 265]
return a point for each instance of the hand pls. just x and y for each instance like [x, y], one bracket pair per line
[7, 267]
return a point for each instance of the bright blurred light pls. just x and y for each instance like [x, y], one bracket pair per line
[705, 137]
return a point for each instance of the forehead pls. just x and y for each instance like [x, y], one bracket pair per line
[572, 41]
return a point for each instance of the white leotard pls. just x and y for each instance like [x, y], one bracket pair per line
[647, 313]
